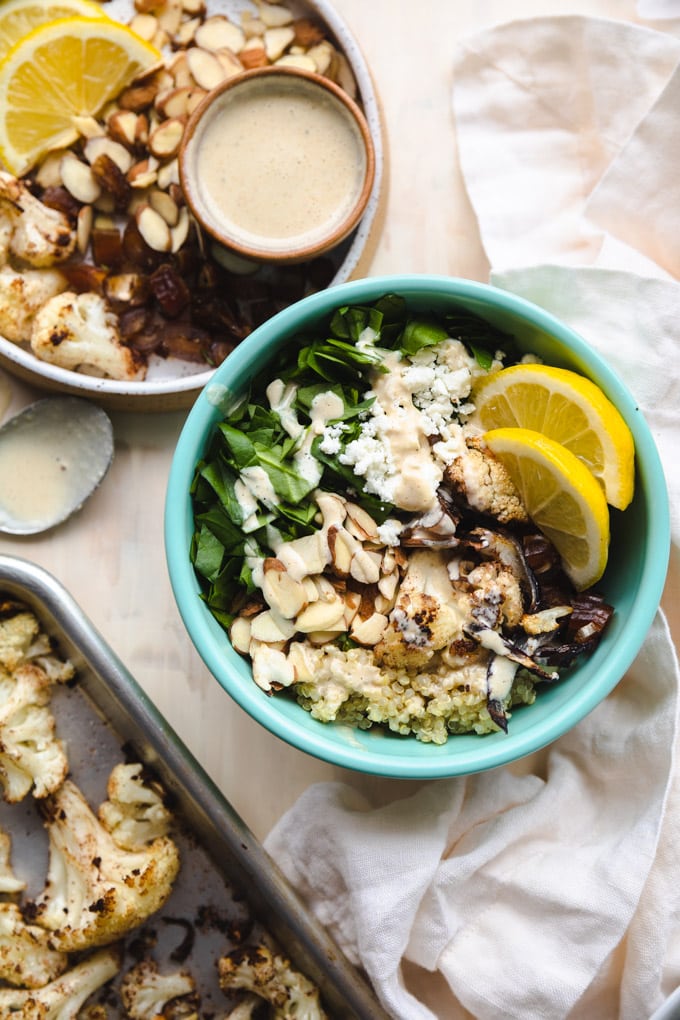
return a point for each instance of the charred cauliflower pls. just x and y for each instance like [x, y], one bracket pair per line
[96, 891]
[145, 991]
[26, 959]
[21, 297]
[268, 974]
[79, 331]
[34, 233]
[62, 998]
[134, 814]
[9, 883]
[31, 755]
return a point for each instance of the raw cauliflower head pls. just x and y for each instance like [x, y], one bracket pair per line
[79, 331]
[96, 891]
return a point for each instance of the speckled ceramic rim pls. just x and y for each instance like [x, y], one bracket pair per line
[309, 82]
[634, 580]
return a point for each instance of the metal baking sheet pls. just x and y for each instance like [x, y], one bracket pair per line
[227, 881]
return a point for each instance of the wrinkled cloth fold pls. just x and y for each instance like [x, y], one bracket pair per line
[548, 891]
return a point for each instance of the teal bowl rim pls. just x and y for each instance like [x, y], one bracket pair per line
[425, 761]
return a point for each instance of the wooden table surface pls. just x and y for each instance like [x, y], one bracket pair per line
[110, 556]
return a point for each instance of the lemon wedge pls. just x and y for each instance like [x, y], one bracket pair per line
[66, 68]
[561, 496]
[19, 17]
[570, 409]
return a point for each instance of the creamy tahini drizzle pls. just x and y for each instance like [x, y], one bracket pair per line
[279, 163]
[401, 431]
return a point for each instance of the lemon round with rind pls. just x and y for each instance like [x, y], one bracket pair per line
[566, 407]
[62, 70]
[19, 17]
[561, 496]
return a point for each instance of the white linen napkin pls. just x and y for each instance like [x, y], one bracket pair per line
[549, 892]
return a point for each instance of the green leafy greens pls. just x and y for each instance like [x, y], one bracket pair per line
[339, 358]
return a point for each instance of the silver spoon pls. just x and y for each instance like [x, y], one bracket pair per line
[53, 455]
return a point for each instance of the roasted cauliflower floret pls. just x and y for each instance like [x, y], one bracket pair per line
[145, 992]
[496, 586]
[31, 755]
[269, 975]
[79, 331]
[62, 998]
[22, 295]
[134, 814]
[9, 883]
[96, 892]
[483, 483]
[26, 958]
[33, 232]
[426, 616]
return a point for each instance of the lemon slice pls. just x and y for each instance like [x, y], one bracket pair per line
[66, 68]
[572, 410]
[19, 17]
[561, 496]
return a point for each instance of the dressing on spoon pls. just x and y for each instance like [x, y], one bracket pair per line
[53, 455]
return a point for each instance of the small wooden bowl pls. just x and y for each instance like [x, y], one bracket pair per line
[277, 164]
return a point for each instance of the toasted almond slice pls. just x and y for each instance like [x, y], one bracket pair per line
[168, 174]
[144, 173]
[322, 616]
[122, 127]
[276, 40]
[282, 592]
[275, 15]
[369, 631]
[121, 156]
[88, 127]
[239, 635]
[365, 567]
[78, 179]
[84, 228]
[186, 32]
[153, 228]
[165, 205]
[322, 55]
[300, 661]
[270, 627]
[165, 140]
[360, 523]
[206, 69]
[219, 33]
[144, 25]
[299, 60]
[230, 62]
[180, 231]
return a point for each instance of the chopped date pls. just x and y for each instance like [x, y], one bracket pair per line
[169, 290]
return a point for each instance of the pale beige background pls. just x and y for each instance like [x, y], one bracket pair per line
[111, 557]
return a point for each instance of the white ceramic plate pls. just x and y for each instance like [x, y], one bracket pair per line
[173, 384]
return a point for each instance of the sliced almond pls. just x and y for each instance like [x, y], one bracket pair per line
[164, 141]
[307, 33]
[88, 127]
[282, 592]
[121, 156]
[276, 40]
[218, 33]
[252, 26]
[122, 127]
[299, 60]
[322, 55]
[174, 103]
[271, 627]
[168, 174]
[342, 547]
[387, 584]
[253, 54]
[180, 231]
[305, 555]
[299, 658]
[352, 600]
[275, 15]
[144, 173]
[78, 179]
[49, 171]
[332, 508]
[170, 16]
[162, 202]
[206, 70]
[184, 36]
[322, 616]
[365, 567]
[153, 228]
[84, 228]
[144, 25]
[369, 631]
[193, 6]
[271, 668]
[239, 635]
[230, 62]
[344, 75]
[360, 523]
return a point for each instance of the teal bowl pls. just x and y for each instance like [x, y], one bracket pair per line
[633, 582]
